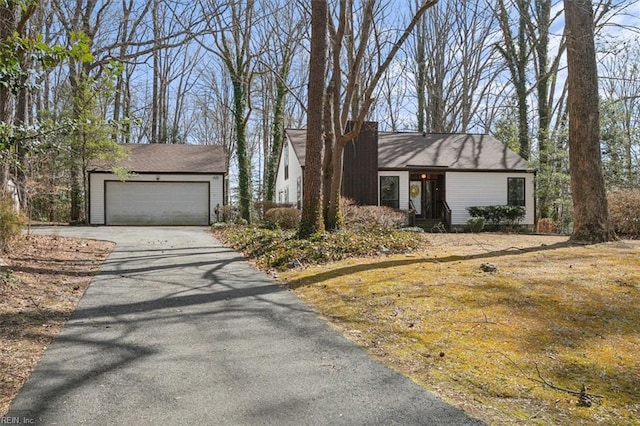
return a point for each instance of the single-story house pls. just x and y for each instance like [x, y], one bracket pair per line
[169, 184]
[435, 175]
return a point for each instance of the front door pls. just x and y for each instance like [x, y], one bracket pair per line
[429, 200]
[424, 195]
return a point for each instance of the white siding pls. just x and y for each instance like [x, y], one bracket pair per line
[467, 189]
[97, 190]
[404, 187]
[290, 185]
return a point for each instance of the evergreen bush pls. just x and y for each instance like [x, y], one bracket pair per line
[476, 223]
[496, 215]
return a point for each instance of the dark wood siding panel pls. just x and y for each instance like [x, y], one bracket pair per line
[360, 177]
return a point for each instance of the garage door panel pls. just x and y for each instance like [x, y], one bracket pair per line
[157, 203]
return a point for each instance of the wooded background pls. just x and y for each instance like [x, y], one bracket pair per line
[78, 77]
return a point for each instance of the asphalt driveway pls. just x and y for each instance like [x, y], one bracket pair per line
[178, 329]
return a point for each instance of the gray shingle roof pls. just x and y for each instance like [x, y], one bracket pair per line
[170, 158]
[451, 151]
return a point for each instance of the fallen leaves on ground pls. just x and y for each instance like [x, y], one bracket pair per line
[41, 281]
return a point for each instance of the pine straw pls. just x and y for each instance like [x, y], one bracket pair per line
[511, 347]
[41, 281]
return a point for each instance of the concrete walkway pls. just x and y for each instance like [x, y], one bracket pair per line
[178, 329]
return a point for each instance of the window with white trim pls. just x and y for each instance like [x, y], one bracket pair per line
[390, 191]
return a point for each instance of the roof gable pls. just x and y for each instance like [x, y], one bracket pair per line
[171, 158]
[399, 150]
[298, 139]
[452, 151]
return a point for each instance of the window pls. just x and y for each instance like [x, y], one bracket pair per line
[515, 192]
[286, 161]
[389, 191]
[299, 192]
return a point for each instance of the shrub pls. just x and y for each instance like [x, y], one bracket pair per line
[368, 218]
[282, 217]
[229, 214]
[262, 207]
[476, 223]
[547, 226]
[11, 224]
[495, 215]
[513, 215]
[624, 212]
[281, 249]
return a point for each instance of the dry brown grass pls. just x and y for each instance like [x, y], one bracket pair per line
[41, 281]
[511, 347]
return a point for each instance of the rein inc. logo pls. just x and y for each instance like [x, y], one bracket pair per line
[17, 420]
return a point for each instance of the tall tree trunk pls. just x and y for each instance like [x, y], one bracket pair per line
[75, 184]
[544, 110]
[277, 135]
[334, 219]
[244, 167]
[521, 90]
[15, 109]
[8, 21]
[590, 213]
[421, 74]
[340, 133]
[21, 120]
[312, 221]
[327, 162]
[156, 112]
[515, 53]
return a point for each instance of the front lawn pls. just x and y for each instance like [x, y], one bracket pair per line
[513, 346]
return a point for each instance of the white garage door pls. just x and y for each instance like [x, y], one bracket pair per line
[157, 203]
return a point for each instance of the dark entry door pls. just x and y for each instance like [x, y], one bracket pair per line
[426, 192]
[423, 195]
[429, 198]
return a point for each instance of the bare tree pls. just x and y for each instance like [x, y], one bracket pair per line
[395, 93]
[283, 36]
[456, 66]
[516, 52]
[129, 35]
[230, 26]
[620, 108]
[85, 16]
[349, 95]
[591, 217]
[213, 104]
[312, 220]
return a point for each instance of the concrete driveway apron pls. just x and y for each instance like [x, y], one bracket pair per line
[178, 329]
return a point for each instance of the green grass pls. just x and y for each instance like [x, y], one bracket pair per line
[511, 347]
